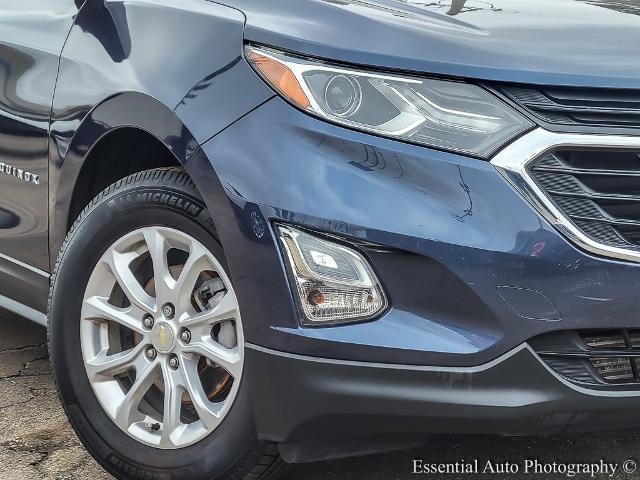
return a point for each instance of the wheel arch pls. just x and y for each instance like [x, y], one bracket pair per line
[99, 153]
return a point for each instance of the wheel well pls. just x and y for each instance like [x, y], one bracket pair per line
[118, 154]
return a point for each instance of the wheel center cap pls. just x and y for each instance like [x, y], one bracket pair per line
[163, 337]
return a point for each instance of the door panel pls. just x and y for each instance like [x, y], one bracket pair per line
[32, 34]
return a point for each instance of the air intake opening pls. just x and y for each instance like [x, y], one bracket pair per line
[595, 358]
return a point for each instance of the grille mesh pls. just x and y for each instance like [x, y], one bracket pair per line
[575, 107]
[597, 189]
[603, 233]
[579, 207]
[549, 161]
[575, 371]
[559, 183]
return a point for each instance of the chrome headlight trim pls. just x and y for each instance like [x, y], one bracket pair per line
[513, 162]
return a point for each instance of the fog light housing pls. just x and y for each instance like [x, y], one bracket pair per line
[332, 283]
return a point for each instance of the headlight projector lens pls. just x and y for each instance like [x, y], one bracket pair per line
[342, 95]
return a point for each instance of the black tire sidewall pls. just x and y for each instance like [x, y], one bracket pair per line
[127, 207]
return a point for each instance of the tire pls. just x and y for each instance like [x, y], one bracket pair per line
[165, 200]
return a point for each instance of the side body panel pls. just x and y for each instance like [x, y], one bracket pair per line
[172, 68]
[32, 35]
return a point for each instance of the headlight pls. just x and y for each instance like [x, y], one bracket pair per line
[448, 115]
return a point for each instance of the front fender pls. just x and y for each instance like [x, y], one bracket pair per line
[121, 110]
[173, 68]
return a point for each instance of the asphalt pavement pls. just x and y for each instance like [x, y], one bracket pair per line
[36, 441]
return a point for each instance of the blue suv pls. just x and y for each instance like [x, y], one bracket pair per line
[274, 231]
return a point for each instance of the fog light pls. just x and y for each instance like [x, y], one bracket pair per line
[333, 283]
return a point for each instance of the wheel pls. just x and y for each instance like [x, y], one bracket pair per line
[146, 337]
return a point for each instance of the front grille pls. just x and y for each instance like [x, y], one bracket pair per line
[594, 358]
[578, 107]
[597, 189]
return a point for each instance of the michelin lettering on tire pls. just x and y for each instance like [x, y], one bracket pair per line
[161, 196]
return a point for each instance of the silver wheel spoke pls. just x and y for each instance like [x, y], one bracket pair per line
[99, 308]
[118, 264]
[174, 385]
[158, 248]
[195, 265]
[104, 365]
[127, 412]
[227, 358]
[206, 410]
[227, 309]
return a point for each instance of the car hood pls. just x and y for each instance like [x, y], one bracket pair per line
[553, 42]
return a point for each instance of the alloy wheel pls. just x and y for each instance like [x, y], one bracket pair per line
[161, 337]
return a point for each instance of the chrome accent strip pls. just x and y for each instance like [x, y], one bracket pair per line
[25, 265]
[22, 310]
[393, 366]
[512, 163]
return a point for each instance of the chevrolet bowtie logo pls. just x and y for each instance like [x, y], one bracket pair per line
[19, 173]
[163, 336]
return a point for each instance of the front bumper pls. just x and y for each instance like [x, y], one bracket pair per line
[339, 408]
[471, 269]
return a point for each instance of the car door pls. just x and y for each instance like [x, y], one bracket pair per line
[32, 34]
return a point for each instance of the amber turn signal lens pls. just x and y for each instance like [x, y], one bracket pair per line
[279, 76]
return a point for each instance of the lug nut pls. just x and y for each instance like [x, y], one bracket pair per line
[151, 353]
[174, 363]
[148, 321]
[185, 336]
[168, 310]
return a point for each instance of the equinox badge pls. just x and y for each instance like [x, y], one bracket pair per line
[20, 173]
